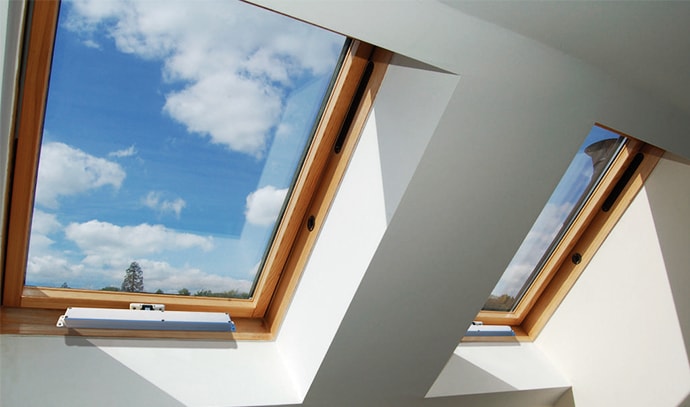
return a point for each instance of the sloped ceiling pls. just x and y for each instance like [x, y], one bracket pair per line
[645, 43]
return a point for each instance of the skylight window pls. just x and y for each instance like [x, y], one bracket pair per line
[605, 175]
[583, 174]
[173, 132]
[190, 155]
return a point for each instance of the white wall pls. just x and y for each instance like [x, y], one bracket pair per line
[50, 371]
[484, 368]
[617, 335]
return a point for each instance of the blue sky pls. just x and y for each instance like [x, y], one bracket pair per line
[550, 221]
[171, 137]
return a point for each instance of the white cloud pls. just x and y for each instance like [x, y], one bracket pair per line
[154, 201]
[42, 225]
[53, 270]
[231, 62]
[64, 170]
[105, 243]
[127, 152]
[254, 270]
[91, 44]
[264, 204]
[142, 244]
[235, 112]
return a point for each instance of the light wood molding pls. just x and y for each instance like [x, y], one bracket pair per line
[61, 298]
[29, 126]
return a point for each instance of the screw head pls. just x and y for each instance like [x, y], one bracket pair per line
[577, 258]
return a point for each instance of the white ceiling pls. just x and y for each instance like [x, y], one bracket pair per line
[645, 43]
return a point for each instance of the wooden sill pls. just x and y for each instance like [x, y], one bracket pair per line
[27, 321]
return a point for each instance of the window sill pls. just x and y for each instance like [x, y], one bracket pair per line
[520, 336]
[29, 321]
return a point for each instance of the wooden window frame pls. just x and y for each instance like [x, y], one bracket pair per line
[34, 310]
[587, 232]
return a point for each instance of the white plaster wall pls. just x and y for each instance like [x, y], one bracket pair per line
[409, 105]
[481, 368]
[669, 200]
[617, 335]
[38, 371]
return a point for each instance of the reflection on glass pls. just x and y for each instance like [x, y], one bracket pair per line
[172, 136]
[583, 174]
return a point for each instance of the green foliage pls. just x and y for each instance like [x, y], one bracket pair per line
[503, 303]
[64, 285]
[159, 291]
[134, 279]
[110, 288]
[222, 294]
[184, 291]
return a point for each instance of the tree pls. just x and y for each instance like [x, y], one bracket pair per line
[503, 303]
[110, 288]
[64, 285]
[134, 279]
[183, 291]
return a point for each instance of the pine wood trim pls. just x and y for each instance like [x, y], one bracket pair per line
[39, 49]
[61, 298]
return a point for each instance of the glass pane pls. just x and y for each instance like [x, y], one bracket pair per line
[591, 161]
[172, 136]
